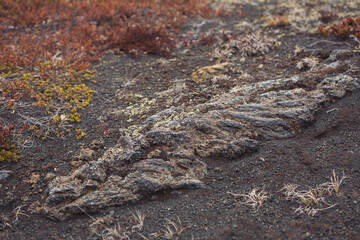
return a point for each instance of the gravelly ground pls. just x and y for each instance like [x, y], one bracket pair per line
[211, 212]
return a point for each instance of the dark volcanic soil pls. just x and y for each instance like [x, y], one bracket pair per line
[215, 211]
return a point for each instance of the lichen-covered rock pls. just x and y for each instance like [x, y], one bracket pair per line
[173, 145]
[205, 72]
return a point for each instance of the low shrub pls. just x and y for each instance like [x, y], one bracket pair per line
[346, 28]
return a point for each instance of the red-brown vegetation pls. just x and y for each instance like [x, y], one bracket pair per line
[47, 47]
[7, 150]
[348, 27]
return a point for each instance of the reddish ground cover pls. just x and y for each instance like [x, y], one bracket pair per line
[47, 49]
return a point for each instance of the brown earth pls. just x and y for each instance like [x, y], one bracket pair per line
[330, 142]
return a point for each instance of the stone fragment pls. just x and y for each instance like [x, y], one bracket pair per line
[203, 73]
[84, 154]
[4, 174]
[34, 178]
[154, 154]
[49, 176]
[63, 188]
[153, 175]
[76, 163]
[166, 136]
[222, 148]
[97, 144]
[127, 150]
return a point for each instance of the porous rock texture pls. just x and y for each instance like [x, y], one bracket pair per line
[171, 155]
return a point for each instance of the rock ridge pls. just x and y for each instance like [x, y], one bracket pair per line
[171, 154]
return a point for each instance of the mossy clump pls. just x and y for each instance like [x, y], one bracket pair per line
[7, 150]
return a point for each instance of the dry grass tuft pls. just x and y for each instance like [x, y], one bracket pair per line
[307, 63]
[139, 219]
[335, 182]
[18, 211]
[312, 199]
[108, 233]
[114, 233]
[254, 198]
[173, 229]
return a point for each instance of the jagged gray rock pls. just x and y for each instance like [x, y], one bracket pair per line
[227, 127]
[4, 174]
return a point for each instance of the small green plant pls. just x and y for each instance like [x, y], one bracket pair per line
[80, 134]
